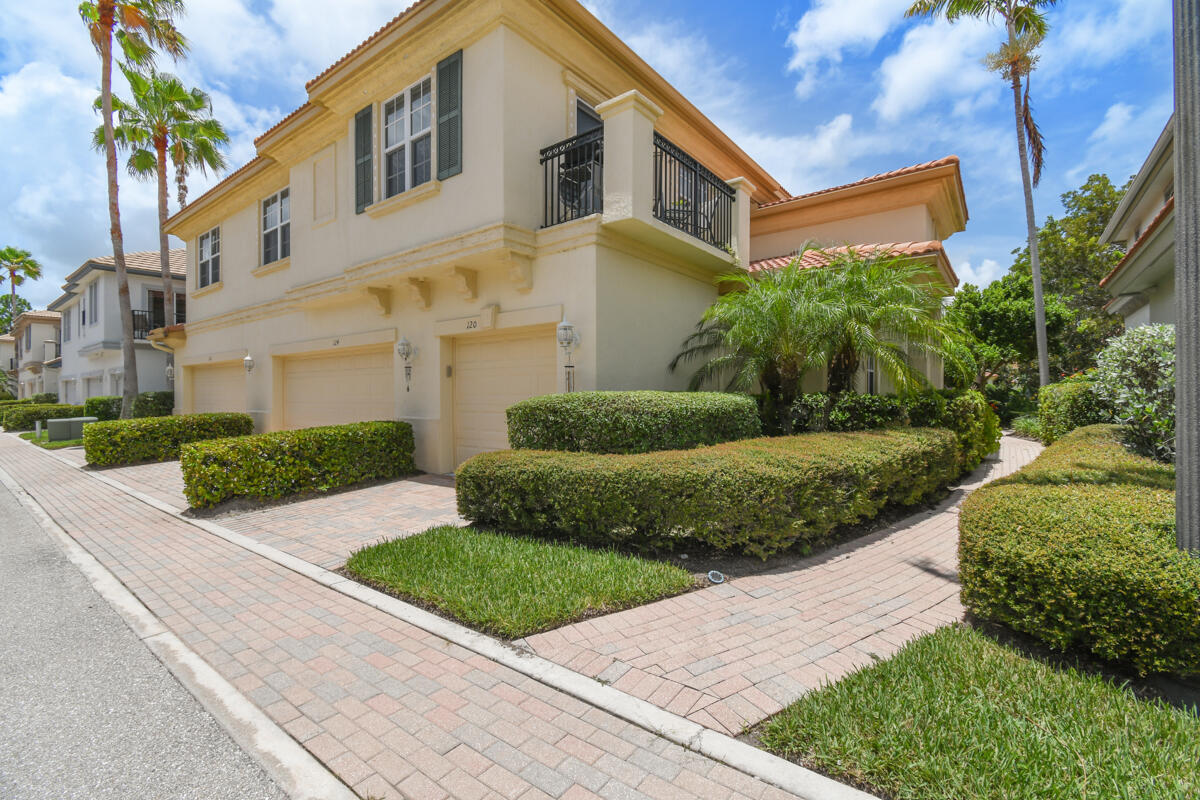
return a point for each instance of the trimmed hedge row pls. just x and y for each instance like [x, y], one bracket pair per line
[129, 441]
[757, 496]
[146, 404]
[631, 422]
[1078, 550]
[273, 465]
[23, 417]
[1067, 405]
[13, 402]
[44, 398]
[103, 408]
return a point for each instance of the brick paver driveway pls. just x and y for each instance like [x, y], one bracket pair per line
[392, 710]
[730, 655]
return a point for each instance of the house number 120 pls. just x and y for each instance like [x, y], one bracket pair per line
[472, 324]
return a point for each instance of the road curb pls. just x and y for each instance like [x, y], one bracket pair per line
[297, 772]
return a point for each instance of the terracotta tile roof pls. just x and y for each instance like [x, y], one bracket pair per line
[237, 173]
[39, 316]
[821, 257]
[883, 176]
[1154, 225]
[148, 260]
[277, 126]
[369, 40]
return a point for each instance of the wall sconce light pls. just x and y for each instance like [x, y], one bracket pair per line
[248, 363]
[170, 373]
[568, 339]
[404, 349]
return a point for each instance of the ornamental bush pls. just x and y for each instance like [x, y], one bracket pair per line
[631, 422]
[1078, 550]
[1135, 378]
[130, 441]
[24, 416]
[1067, 405]
[103, 408]
[153, 404]
[756, 496]
[972, 419]
[44, 399]
[274, 465]
[7, 403]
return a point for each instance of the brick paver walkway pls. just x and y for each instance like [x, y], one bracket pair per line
[730, 655]
[393, 710]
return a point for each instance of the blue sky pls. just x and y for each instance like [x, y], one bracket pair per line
[821, 92]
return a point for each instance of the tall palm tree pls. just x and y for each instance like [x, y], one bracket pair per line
[196, 144]
[1026, 26]
[138, 26]
[20, 266]
[160, 120]
[777, 326]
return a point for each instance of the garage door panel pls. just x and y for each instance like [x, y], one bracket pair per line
[217, 388]
[339, 388]
[491, 374]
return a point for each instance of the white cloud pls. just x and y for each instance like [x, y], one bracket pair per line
[1097, 33]
[833, 27]
[983, 274]
[1122, 140]
[938, 60]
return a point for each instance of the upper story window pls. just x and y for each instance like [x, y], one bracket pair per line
[93, 294]
[408, 138]
[276, 227]
[28, 338]
[66, 324]
[208, 258]
[586, 118]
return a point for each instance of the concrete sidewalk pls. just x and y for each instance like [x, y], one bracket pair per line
[86, 710]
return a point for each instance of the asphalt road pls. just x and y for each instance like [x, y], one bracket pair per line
[86, 710]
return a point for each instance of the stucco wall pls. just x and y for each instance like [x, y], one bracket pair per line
[911, 224]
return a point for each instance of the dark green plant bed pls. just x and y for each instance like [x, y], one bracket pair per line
[957, 716]
[509, 586]
[45, 442]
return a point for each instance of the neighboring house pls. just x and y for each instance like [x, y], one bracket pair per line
[92, 364]
[8, 362]
[1143, 284]
[406, 244]
[36, 352]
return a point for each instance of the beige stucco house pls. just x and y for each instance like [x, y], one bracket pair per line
[1143, 283]
[36, 353]
[8, 362]
[406, 243]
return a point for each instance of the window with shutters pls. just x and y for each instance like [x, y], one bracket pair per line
[208, 258]
[94, 301]
[276, 227]
[407, 124]
[449, 116]
[66, 324]
[364, 189]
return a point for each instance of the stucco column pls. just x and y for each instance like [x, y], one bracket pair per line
[741, 219]
[628, 156]
[1187, 273]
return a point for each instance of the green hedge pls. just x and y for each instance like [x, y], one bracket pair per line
[23, 417]
[1067, 405]
[153, 404]
[972, 419]
[631, 422]
[6, 403]
[45, 399]
[103, 408]
[758, 496]
[130, 441]
[1078, 550]
[274, 465]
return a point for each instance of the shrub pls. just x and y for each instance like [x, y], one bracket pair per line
[274, 465]
[1067, 405]
[925, 409]
[1009, 400]
[44, 399]
[24, 416]
[865, 412]
[1135, 377]
[7, 403]
[631, 422]
[1078, 550]
[1029, 427]
[758, 496]
[102, 408]
[971, 418]
[129, 441]
[153, 404]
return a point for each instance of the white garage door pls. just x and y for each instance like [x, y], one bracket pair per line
[490, 374]
[331, 389]
[218, 387]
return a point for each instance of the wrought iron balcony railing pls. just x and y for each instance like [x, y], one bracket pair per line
[691, 198]
[146, 321]
[573, 174]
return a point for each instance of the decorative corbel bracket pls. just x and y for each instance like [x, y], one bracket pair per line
[418, 289]
[520, 272]
[382, 296]
[466, 282]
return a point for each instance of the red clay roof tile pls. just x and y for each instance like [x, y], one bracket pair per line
[896, 173]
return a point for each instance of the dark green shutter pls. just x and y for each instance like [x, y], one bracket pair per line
[363, 172]
[450, 130]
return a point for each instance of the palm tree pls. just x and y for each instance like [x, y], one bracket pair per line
[195, 144]
[776, 327]
[1026, 27]
[161, 119]
[138, 26]
[20, 266]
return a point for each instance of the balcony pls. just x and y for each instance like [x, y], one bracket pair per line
[573, 176]
[690, 198]
[146, 321]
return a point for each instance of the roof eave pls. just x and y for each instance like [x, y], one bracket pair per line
[1165, 142]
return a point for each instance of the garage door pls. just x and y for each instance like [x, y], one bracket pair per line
[218, 387]
[331, 389]
[490, 374]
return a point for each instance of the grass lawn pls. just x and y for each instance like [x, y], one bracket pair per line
[49, 445]
[956, 716]
[509, 586]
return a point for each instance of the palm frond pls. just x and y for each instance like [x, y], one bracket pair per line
[1037, 145]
